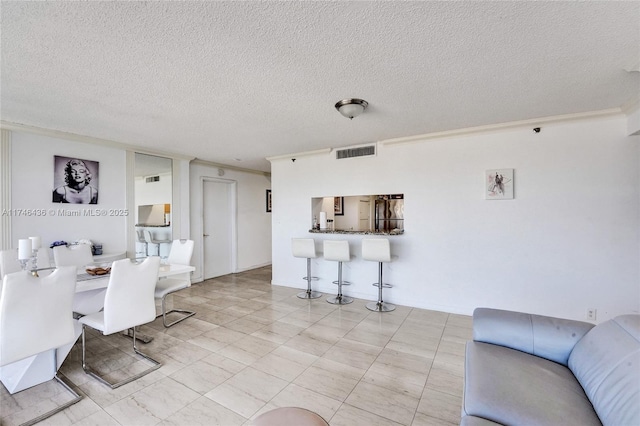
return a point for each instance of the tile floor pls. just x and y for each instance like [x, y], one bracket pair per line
[253, 347]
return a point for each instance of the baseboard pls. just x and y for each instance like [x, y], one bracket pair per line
[252, 267]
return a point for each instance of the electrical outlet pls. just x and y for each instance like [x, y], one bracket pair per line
[591, 314]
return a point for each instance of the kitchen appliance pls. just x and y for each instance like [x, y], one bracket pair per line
[389, 213]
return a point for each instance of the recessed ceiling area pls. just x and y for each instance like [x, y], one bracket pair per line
[247, 80]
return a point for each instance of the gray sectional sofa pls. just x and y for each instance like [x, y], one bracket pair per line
[524, 369]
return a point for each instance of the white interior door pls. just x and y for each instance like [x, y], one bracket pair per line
[218, 228]
[364, 210]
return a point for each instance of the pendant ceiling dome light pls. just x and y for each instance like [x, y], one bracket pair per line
[351, 107]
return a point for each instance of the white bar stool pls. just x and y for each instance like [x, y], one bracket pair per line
[378, 250]
[150, 239]
[306, 248]
[338, 251]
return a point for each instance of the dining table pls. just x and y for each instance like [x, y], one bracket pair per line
[88, 299]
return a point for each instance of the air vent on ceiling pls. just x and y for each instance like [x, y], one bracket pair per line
[153, 179]
[360, 151]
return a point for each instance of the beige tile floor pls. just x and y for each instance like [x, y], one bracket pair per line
[253, 347]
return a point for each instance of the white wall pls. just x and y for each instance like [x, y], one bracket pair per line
[567, 242]
[149, 193]
[253, 222]
[32, 186]
[153, 192]
[633, 121]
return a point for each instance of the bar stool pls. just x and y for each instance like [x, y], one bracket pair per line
[378, 250]
[149, 238]
[338, 251]
[141, 239]
[306, 248]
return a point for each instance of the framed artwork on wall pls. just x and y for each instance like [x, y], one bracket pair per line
[268, 201]
[75, 181]
[499, 184]
[338, 206]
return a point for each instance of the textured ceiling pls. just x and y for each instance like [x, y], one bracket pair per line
[229, 81]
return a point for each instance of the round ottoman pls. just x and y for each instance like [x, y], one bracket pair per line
[289, 416]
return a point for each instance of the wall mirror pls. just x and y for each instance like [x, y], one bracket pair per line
[359, 213]
[153, 202]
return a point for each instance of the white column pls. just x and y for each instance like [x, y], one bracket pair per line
[5, 189]
[130, 234]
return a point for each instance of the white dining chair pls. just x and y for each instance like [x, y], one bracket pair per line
[35, 317]
[9, 261]
[180, 254]
[43, 260]
[128, 303]
[78, 255]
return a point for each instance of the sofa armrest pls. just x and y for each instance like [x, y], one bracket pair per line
[546, 337]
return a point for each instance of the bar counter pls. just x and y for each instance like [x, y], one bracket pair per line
[346, 232]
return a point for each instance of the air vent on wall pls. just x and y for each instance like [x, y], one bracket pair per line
[360, 151]
[153, 179]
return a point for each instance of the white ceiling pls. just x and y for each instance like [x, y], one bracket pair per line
[151, 165]
[229, 81]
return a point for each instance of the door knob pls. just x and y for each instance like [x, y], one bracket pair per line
[205, 235]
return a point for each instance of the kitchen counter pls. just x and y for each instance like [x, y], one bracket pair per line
[345, 232]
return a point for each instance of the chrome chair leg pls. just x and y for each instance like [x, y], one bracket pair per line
[339, 299]
[87, 369]
[165, 312]
[380, 306]
[144, 338]
[68, 386]
[308, 293]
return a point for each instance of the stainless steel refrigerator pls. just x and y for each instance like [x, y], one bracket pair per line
[389, 213]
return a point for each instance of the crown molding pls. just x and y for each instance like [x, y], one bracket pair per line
[17, 127]
[229, 167]
[536, 122]
[299, 154]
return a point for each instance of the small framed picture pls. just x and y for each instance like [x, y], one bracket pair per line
[338, 206]
[268, 201]
[499, 184]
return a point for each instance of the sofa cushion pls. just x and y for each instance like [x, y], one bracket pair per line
[547, 337]
[512, 387]
[606, 362]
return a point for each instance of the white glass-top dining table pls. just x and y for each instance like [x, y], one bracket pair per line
[89, 298]
[90, 289]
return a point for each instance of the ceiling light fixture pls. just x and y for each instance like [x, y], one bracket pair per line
[351, 107]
